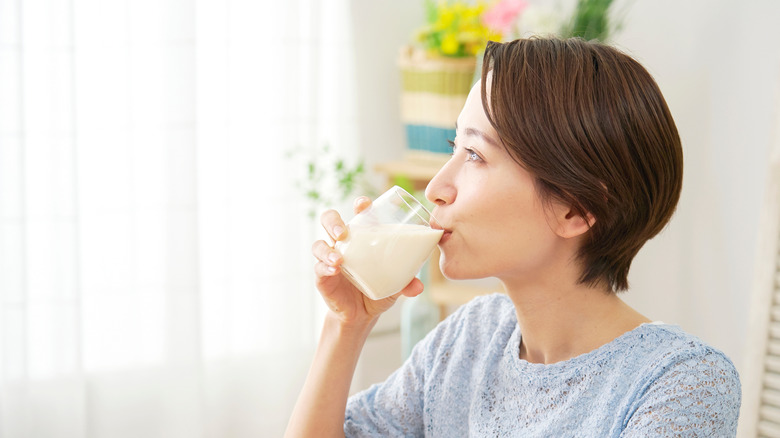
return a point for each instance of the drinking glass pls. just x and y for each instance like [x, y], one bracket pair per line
[387, 244]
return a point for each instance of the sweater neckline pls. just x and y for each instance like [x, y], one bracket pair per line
[585, 359]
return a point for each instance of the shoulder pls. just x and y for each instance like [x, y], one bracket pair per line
[669, 345]
[496, 304]
[483, 315]
[685, 383]
[482, 322]
[668, 351]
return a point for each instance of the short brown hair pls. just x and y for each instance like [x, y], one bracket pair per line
[591, 125]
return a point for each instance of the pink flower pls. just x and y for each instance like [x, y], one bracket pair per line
[503, 15]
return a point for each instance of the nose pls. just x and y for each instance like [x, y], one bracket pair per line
[440, 189]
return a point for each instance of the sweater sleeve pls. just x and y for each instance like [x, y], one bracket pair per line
[395, 407]
[391, 408]
[699, 396]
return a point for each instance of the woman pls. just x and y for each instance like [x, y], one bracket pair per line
[566, 161]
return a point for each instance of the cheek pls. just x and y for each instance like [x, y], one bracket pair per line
[512, 231]
[489, 238]
[501, 226]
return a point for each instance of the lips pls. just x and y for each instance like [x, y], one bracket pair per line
[447, 233]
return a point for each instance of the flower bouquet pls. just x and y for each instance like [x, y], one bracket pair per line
[438, 72]
[590, 19]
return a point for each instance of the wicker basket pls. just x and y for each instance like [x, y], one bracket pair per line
[433, 91]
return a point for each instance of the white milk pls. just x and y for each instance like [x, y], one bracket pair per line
[382, 259]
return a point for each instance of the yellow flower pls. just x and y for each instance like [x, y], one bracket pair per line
[446, 19]
[450, 44]
[455, 28]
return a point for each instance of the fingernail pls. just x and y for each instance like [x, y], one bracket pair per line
[333, 257]
[331, 269]
[338, 231]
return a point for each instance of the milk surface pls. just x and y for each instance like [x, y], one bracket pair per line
[382, 259]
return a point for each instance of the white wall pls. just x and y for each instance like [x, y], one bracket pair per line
[718, 64]
[719, 67]
[379, 30]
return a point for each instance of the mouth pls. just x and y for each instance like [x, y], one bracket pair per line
[446, 233]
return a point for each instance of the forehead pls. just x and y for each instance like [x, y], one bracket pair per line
[473, 115]
[472, 109]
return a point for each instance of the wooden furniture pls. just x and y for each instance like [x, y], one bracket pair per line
[419, 168]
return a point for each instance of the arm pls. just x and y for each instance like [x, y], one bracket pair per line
[321, 406]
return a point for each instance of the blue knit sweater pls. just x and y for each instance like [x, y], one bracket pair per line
[466, 379]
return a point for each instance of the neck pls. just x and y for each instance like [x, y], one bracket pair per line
[559, 322]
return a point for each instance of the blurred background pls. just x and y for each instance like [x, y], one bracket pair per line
[156, 202]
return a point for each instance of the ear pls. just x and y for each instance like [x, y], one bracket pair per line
[568, 223]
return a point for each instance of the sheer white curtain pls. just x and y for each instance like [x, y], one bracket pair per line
[154, 257]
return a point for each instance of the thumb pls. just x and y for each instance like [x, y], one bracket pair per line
[414, 288]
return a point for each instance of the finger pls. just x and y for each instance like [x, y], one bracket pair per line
[333, 224]
[326, 254]
[414, 288]
[361, 203]
[321, 269]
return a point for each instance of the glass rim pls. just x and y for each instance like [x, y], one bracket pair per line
[402, 193]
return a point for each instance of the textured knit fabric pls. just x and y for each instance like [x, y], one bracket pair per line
[466, 379]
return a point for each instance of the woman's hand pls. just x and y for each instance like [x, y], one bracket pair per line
[321, 407]
[341, 296]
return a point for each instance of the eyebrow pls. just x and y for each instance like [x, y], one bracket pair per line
[477, 133]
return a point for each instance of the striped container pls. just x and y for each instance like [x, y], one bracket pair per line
[433, 91]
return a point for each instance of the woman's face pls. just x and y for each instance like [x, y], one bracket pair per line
[495, 224]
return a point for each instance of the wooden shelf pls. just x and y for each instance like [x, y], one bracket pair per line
[418, 167]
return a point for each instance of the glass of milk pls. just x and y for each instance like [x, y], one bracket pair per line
[387, 244]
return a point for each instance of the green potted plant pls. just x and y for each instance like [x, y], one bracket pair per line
[330, 179]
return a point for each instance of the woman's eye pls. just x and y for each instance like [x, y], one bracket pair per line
[473, 156]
